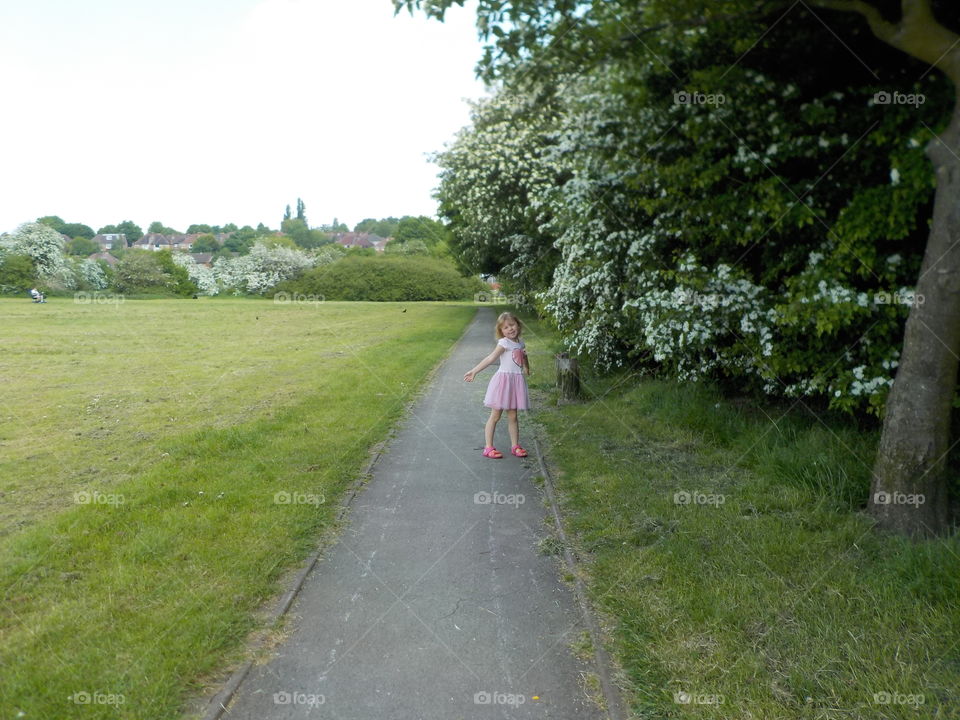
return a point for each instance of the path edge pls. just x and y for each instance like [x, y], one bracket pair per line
[611, 693]
[217, 706]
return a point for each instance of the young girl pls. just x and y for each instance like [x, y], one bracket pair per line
[508, 387]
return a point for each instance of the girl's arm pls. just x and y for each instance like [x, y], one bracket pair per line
[488, 360]
[526, 362]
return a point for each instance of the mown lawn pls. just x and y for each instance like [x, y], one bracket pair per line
[163, 463]
[725, 547]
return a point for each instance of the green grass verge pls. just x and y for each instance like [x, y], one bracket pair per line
[163, 464]
[725, 546]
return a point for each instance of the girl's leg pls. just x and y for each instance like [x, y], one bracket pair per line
[491, 426]
[514, 427]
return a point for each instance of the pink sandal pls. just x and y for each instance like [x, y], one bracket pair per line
[492, 452]
[518, 451]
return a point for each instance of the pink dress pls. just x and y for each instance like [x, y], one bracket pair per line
[508, 387]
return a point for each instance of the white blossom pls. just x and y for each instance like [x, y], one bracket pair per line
[261, 269]
[43, 244]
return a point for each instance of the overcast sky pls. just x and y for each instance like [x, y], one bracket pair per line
[218, 111]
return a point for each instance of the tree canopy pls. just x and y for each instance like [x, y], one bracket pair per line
[71, 230]
[82, 247]
[158, 227]
[386, 227]
[206, 243]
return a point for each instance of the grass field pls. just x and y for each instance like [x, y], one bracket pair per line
[725, 547]
[162, 464]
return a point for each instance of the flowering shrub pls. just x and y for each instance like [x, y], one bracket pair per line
[65, 276]
[261, 269]
[493, 180]
[727, 223]
[41, 243]
[91, 275]
[201, 275]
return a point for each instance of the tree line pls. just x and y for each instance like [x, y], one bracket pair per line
[419, 228]
[244, 260]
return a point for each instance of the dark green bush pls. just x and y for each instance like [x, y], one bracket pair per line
[17, 274]
[142, 271]
[385, 279]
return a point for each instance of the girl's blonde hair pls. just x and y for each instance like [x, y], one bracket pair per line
[504, 317]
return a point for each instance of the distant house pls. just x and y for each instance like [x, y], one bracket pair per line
[355, 239]
[182, 243]
[203, 259]
[109, 241]
[153, 241]
[106, 257]
[158, 241]
[381, 244]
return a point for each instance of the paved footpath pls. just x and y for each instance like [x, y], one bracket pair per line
[434, 603]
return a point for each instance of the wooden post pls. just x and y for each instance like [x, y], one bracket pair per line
[568, 378]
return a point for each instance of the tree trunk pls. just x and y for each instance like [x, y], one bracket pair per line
[909, 490]
[568, 378]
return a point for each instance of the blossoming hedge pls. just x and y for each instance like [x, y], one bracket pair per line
[711, 215]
